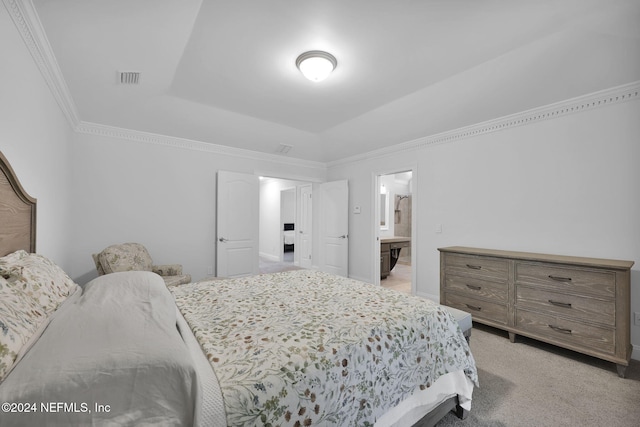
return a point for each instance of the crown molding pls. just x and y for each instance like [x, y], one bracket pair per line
[590, 101]
[28, 24]
[189, 144]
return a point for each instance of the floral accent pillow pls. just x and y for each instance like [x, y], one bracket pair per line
[20, 317]
[31, 288]
[38, 277]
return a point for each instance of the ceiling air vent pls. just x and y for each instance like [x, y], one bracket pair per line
[283, 148]
[129, 77]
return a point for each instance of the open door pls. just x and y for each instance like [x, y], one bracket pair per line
[237, 224]
[304, 226]
[334, 227]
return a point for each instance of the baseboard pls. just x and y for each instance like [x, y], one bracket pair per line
[361, 279]
[270, 257]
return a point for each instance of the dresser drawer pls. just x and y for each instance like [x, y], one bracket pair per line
[582, 281]
[566, 331]
[478, 287]
[469, 265]
[578, 307]
[479, 309]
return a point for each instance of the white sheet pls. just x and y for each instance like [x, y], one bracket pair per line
[412, 409]
[210, 406]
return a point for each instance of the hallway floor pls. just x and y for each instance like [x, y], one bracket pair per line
[399, 278]
[268, 266]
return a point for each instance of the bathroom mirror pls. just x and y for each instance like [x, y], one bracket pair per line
[384, 211]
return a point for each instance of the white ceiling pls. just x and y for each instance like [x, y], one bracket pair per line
[224, 72]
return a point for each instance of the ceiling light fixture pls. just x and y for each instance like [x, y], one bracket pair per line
[316, 65]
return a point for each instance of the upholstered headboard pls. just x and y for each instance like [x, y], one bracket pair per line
[17, 213]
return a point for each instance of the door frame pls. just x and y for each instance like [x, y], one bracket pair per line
[375, 202]
[302, 180]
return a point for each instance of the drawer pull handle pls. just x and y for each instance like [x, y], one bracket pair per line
[474, 307]
[560, 279]
[561, 330]
[474, 267]
[475, 288]
[560, 304]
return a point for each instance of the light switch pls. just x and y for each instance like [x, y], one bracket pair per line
[356, 209]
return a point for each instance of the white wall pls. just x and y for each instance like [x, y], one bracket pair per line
[161, 196]
[568, 185]
[36, 139]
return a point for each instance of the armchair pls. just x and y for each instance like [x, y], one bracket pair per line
[135, 257]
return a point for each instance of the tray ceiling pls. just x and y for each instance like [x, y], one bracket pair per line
[224, 72]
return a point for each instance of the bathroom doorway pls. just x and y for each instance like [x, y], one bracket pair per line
[395, 230]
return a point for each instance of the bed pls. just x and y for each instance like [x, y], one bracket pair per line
[293, 348]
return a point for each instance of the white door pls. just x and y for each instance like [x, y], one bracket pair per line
[334, 227]
[237, 224]
[304, 226]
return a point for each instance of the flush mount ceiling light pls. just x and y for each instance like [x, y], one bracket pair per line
[316, 65]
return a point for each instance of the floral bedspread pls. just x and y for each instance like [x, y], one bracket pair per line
[306, 348]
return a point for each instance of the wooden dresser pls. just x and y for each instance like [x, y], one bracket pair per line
[582, 304]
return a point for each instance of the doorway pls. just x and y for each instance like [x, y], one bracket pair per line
[280, 225]
[395, 230]
[232, 206]
[288, 202]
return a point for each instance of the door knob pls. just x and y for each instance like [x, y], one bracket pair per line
[222, 239]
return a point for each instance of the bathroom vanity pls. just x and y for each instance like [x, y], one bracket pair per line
[390, 248]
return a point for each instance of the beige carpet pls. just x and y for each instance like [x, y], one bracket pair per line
[529, 383]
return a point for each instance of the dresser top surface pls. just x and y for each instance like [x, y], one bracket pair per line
[528, 256]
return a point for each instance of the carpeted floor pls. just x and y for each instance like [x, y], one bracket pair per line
[529, 383]
[268, 266]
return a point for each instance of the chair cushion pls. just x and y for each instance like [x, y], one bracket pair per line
[177, 280]
[125, 257]
[167, 269]
[96, 260]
